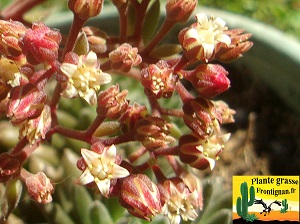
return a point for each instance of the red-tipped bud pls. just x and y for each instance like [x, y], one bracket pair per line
[26, 102]
[85, 9]
[140, 196]
[239, 45]
[40, 188]
[10, 34]
[159, 80]
[112, 103]
[153, 132]
[209, 80]
[201, 117]
[124, 57]
[201, 153]
[40, 44]
[180, 11]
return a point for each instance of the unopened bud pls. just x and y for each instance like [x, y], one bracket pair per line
[140, 196]
[180, 11]
[85, 9]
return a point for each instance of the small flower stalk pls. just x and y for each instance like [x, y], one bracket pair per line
[135, 111]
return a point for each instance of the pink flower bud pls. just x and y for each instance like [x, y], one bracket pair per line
[124, 57]
[39, 188]
[112, 103]
[209, 80]
[201, 117]
[40, 44]
[132, 115]
[85, 9]
[10, 34]
[153, 132]
[159, 80]
[180, 11]
[26, 102]
[140, 196]
[239, 45]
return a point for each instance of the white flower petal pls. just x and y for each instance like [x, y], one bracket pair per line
[120, 172]
[86, 177]
[103, 186]
[89, 156]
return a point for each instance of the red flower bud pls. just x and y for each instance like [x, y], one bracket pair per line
[85, 9]
[26, 102]
[239, 45]
[40, 188]
[112, 103]
[124, 57]
[40, 44]
[140, 196]
[209, 80]
[201, 117]
[10, 34]
[153, 132]
[180, 11]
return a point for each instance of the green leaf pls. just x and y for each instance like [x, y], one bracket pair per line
[57, 215]
[12, 194]
[82, 200]
[166, 50]
[223, 216]
[151, 21]
[81, 45]
[99, 213]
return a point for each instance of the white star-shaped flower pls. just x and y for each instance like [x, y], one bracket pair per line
[101, 169]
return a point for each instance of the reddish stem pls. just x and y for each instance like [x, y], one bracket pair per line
[77, 24]
[18, 8]
[136, 154]
[167, 151]
[164, 29]
[183, 93]
[123, 23]
[96, 123]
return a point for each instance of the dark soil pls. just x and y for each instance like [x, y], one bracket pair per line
[265, 138]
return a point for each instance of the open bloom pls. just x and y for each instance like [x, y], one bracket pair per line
[201, 153]
[177, 200]
[82, 76]
[203, 39]
[101, 168]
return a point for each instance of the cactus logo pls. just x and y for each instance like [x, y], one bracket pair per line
[261, 199]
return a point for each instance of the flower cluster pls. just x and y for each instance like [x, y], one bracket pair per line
[42, 68]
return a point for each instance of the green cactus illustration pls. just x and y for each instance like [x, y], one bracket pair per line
[242, 203]
[285, 206]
